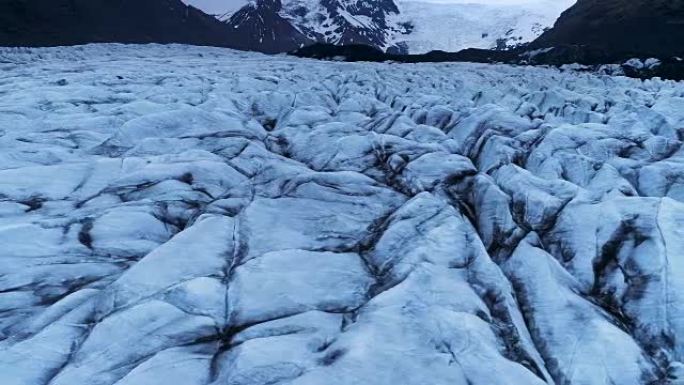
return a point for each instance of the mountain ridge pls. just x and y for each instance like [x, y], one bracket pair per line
[653, 27]
[260, 25]
[403, 26]
[71, 22]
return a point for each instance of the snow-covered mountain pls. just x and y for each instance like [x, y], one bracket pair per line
[309, 21]
[261, 27]
[407, 26]
[345, 21]
[179, 215]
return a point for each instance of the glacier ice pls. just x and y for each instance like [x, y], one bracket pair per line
[202, 216]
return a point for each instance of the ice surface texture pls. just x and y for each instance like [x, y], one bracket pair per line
[200, 216]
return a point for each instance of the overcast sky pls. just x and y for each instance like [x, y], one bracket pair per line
[223, 6]
[217, 6]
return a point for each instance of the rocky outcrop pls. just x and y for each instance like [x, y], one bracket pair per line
[274, 26]
[259, 26]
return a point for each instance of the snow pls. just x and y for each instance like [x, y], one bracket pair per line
[220, 8]
[645, 64]
[193, 215]
[455, 25]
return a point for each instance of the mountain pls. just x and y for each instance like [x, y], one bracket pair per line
[394, 26]
[654, 27]
[263, 28]
[305, 22]
[403, 26]
[68, 22]
[589, 31]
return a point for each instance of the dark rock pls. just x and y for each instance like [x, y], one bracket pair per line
[70, 22]
[643, 27]
[353, 53]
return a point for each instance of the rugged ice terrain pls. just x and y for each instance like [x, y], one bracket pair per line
[182, 215]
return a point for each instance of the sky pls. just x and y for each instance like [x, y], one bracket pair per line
[217, 6]
[223, 6]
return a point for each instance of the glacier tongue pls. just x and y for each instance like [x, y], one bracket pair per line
[453, 25]
[187, 215]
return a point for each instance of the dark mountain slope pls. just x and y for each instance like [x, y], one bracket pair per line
[653, 27]
[67, 22]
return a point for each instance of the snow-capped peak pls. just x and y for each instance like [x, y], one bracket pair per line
[412, 26]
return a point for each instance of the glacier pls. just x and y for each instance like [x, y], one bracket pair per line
[454, 25]
[203, 216]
